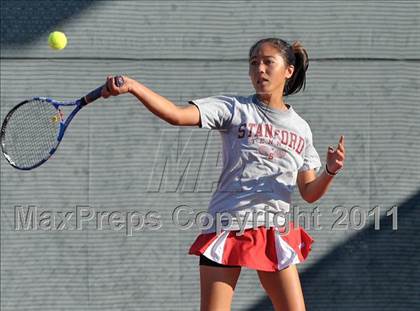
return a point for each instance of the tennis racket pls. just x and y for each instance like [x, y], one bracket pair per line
[33, 129]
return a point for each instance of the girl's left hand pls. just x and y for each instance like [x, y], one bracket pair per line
[335, 158]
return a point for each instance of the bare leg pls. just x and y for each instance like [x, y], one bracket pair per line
[284, 289]
[217, 287]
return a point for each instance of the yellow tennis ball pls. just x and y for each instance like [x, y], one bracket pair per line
[57, 40]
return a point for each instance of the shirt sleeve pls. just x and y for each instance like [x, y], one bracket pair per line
[311, 158]
[216, 112]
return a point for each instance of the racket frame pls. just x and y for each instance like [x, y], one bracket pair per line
[80, 103]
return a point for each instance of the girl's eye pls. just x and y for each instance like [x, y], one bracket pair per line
[253, 63]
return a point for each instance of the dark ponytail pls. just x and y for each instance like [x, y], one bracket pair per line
[298, 80]
[295, 55]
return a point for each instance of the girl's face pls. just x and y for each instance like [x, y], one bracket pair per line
[268, 70]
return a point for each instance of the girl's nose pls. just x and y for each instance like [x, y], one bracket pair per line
[261, 67]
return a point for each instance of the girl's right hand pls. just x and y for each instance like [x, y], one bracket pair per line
[111, 89]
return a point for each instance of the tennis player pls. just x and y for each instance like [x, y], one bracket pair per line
[267, 151]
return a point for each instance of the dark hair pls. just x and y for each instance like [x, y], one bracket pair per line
[294, 54]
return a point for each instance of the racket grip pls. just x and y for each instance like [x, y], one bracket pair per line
[119, 81]
[97, 93]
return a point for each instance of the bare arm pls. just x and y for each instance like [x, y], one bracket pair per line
[313, 187]
[157, 104]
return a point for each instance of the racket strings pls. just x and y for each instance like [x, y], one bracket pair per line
[31, 133]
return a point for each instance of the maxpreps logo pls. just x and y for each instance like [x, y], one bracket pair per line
[267, 134]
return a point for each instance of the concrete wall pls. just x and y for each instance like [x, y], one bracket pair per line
[363, 82]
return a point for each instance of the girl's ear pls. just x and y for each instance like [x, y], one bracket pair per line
[289, 71]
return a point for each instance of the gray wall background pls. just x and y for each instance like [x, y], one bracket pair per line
[363, 82]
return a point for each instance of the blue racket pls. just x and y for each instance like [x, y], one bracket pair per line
[33, 129]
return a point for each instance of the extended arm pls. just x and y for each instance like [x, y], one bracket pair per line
[157, 104]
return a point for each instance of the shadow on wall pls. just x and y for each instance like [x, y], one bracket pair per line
[374, 270]
[24, 21]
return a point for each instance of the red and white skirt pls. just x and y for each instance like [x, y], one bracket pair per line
[265, 249]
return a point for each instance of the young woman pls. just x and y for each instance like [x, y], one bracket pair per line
[267, 150]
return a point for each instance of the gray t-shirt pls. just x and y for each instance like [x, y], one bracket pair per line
[263, 151]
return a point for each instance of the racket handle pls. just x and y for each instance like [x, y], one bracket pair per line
[97, 93]
[119, 81]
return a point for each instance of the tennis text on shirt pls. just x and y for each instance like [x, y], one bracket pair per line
[266, 134]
